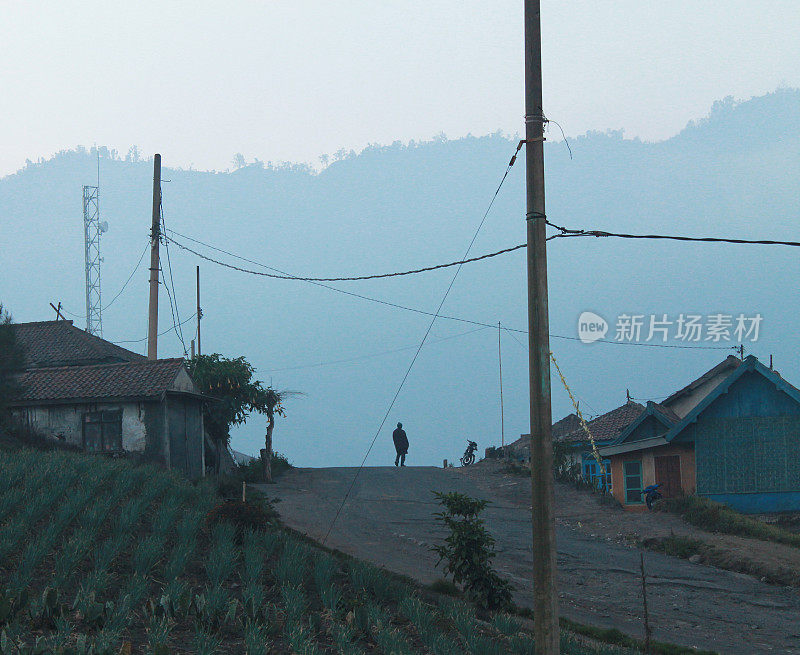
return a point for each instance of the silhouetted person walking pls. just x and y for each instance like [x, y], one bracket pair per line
[400, 445]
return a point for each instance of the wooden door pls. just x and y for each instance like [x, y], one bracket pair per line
[668, 475]
[178, 450]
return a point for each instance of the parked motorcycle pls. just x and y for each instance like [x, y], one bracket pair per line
[469, 454]
[651, 495]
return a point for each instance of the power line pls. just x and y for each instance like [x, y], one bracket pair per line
[343, 291]
[424, 338]
[124, 286]
[130, 277]
[634, 343]
[176, 312]
[602, 233]
[176, 324]
[427, 313]
[160, 334]
[376, 276]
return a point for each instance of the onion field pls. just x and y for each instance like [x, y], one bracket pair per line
[99, 556]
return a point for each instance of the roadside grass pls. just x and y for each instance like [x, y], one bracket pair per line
[102, 556]
[686, 547]
[716, 517]
[614, 636]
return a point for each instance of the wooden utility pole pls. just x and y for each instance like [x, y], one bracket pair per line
[502, 413]
[199, 313]
[155, 234]
[545, 598]
[647, 631]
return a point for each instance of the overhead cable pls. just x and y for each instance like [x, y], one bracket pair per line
[424, 339]
[567, 232]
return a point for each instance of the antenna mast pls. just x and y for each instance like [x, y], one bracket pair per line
[92, 231]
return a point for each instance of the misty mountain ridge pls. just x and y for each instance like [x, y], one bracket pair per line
[733, 173]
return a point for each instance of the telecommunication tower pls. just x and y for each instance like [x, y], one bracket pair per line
[92, 229]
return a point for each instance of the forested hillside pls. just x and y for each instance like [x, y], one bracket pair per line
[734, 173]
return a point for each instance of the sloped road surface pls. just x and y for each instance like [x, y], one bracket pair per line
[388, 520]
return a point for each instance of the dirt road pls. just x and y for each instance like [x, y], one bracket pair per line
[389, 521]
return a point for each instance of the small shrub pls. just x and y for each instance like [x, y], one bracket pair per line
[244, 516]
[229, 486]
[468, 551]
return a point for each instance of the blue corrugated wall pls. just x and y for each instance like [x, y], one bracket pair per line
[746, 447]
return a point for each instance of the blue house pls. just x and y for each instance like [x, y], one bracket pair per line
[732, 435]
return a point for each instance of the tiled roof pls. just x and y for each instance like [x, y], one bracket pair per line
[60, 343]
[608, 425]
[564, 426]
[145, 379]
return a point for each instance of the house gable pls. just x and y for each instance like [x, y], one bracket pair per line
[654, 421]
[686, 399]
[746, 438]
[649, 427]
[183, 382]
[762, 392]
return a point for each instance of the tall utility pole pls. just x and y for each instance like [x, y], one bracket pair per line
[545, 598]
[199, 312]
[155, 235]
[502, 413]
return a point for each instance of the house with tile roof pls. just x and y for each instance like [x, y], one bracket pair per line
[80, 389]
[731, 435]
[570, 434]
[604, 430]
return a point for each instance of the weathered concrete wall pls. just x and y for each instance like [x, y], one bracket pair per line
[65, 422]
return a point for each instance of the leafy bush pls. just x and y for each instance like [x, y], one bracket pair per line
[468, 551]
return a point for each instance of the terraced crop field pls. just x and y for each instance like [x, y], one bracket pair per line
[99, 556]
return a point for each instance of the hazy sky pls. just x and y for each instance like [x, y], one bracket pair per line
[200, 81]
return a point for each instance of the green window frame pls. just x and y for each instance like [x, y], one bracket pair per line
[632, 472]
